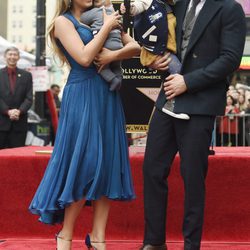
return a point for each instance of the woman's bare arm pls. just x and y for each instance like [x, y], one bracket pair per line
[131, 48]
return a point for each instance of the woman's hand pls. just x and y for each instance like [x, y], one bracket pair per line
[131, 48]
[122, 8]
[105, 57]
[161, 63]
[112, 21]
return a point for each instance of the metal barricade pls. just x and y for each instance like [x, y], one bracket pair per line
[229, 130]
[232, 130]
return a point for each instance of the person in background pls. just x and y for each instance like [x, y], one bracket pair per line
[242, 103]
[15, 100]
[242, 91]
[229, 123]
[248, 123]
[56, 91]
[242, 106]
[235, 94]
[248, 107]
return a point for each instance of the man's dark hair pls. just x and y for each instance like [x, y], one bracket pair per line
[54, 86]
[12, 48]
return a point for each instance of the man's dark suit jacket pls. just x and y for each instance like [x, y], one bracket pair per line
[214, 52]
[21, 99]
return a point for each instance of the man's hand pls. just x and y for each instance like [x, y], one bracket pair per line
[122, 8]
[161, 63]
[14, 114]
[174, 86]
[17, 114]
[11, 114]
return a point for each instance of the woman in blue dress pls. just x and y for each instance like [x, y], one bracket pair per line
[90, 157]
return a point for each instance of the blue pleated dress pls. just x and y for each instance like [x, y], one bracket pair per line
[90, 156]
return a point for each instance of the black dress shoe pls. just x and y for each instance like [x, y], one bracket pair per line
[150, 247]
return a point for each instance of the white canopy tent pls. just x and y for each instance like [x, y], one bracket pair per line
[27, 60]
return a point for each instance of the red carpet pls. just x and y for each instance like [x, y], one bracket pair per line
[42, 244]
[227, 216]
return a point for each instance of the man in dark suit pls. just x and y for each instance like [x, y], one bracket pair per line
[56, 91]
[210, 40]
[15, 100]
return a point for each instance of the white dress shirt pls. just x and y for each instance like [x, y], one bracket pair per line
[198, 8]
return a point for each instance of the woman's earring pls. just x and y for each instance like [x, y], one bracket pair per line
[70, 4]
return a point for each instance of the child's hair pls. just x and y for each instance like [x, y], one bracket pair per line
[171, 2]
[97, 3]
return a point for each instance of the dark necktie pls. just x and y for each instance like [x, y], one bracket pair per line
[12, 79]
[191, 14]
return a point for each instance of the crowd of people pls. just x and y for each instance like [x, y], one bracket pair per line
[241, 98]
[233, 129]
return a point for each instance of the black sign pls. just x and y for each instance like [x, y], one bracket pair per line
[140, 88]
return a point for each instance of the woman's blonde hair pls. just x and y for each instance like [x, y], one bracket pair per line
[62, 7]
